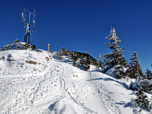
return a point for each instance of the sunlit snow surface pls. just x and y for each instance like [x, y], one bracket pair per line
[54, 86]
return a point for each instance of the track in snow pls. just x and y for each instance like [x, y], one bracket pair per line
[55, 91]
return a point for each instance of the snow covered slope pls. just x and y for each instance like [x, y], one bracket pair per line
[37, 83]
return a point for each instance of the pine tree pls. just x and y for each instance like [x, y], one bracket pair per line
[83, 63]
[62, 51]
[67, 52]
[119, 73]
[86, 63]
[134, 66]
[141, 83]
[115, 57]
[148, 74]
[99, 63]
[146, 85]
[73, 57]
[137, 84]
[142, 99]
[131, 71]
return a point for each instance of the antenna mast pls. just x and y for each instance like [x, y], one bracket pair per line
[27, 25]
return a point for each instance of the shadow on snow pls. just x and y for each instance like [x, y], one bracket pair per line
[109, 79]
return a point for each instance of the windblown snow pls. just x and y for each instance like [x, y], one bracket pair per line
[38, 83]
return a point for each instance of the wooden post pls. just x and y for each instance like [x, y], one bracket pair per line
[48, 47]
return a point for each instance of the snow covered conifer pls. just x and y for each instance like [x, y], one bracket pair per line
[84, 63]
[148, 74]
[115, 57]
[141, 83]
[141, 99]
[62, 51]
[67, 52]
[146, 85]
[131, 71]
[73, 57]
[119, 72]
[134, 66]
[99, 63]
[137, 84]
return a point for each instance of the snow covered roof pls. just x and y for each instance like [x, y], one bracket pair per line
[84, 54]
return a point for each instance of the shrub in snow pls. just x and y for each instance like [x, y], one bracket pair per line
[83, 63]
[64, 51]
[137, 84]
[105, 67]
[120, 72]
[127, 82]
[52, 51]
[73, 57]
[146, 85]
[31, 62]
[3, 58]
[39, 50]
[148, 74]
[142, 100]
[140, 83]
[56, 55]
[67, 52]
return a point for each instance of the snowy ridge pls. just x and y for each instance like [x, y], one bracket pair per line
[17, 45]
[51, 86]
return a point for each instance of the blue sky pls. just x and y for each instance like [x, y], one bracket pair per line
[82, 25]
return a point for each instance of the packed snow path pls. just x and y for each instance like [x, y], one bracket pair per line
[60, 89]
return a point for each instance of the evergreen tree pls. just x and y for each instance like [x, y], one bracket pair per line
[131, 71]
[137, 84]
[146, 85]
[119, 72]
[73, 57]
[148, 74]
[115, 57]
[142, 100]
[134, 66]
[67, 52]
[99, 63]
[62, 51]
[141, 83]
[83, 63]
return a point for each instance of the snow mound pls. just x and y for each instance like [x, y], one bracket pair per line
[23, 62]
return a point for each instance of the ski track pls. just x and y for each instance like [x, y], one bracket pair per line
[51, 84]
[108, 102]
[60, 72]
